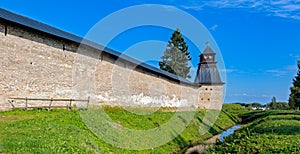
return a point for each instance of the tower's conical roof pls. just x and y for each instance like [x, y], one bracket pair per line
[208, 50]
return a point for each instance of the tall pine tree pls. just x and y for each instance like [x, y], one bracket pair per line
[274, 103]
[294, 101]
[176, 56]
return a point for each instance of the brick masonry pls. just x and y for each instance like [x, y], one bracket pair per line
[38, 65]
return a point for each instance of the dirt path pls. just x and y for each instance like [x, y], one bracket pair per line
[199, 149]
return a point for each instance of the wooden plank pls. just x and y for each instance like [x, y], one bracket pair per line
[44, 107]
[43, 99]
[59, 106]
[11, 103]
[69, 107]
[19, 108]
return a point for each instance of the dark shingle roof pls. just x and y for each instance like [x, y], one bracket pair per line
[12, 17]
[208, 74]
[208, 50]
[24, 21]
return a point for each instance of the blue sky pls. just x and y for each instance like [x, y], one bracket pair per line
[259, 40]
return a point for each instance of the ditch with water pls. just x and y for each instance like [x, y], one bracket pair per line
[201, 148]
[229, 132]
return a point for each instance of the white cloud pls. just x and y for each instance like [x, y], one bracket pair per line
[196, 8]
[228, 70]
[251, 95]
[294, 55]
[279, 2]
[291, 68]
[214, 27]
[280, 8]
[291, 7]
[277, 73]
[283, 72]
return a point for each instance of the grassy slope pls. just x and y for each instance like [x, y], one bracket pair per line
[270, 132]
[60, 131]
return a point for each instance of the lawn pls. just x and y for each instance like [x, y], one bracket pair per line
[60, 131]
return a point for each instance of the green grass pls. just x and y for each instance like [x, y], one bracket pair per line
[232, 107]
[60, 131]
[40, 131]
[269, 132]
[236, 109]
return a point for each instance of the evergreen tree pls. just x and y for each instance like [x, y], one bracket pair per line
[274, 103]
[176, 56]
[294, 101]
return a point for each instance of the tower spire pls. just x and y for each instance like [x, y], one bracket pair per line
[207, 72]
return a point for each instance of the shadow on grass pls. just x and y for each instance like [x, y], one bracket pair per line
[236, 120]
[180, 142]
[252, 116]
[211, 130]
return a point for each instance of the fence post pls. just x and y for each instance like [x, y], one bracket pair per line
[70, 105]
[88, 102]
[26, 103]
[51, 100]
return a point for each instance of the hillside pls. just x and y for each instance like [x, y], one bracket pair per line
[60, 131]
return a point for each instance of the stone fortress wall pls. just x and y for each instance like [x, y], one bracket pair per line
[36, 64]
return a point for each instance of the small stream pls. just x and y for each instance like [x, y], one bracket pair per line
[200, 148]
[229, 132]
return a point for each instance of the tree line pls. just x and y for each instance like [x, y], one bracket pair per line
[273, 105]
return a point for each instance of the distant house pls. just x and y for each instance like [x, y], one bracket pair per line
[260, 108]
